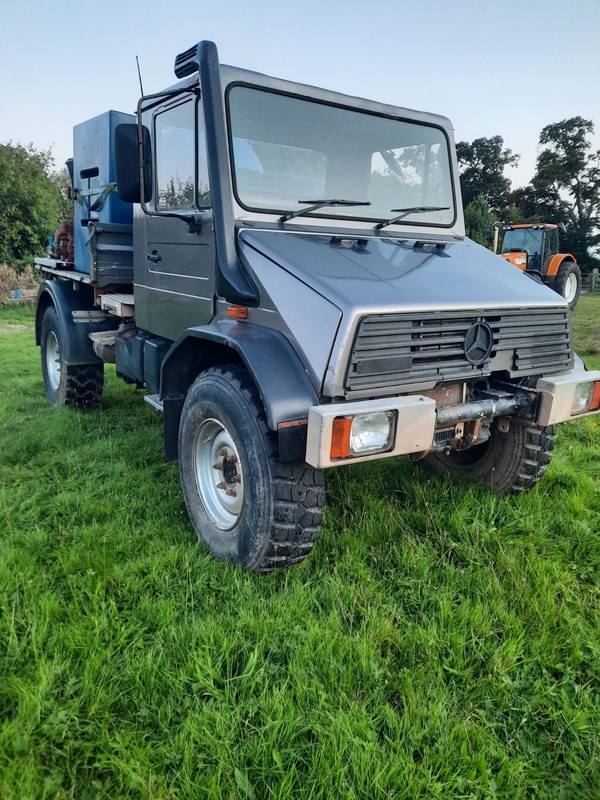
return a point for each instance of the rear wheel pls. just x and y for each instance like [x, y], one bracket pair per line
[568, 282]
[66, 384]
[507, 463]
[245, 505]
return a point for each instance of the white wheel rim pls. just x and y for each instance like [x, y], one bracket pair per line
[218, 473]
[570, 287]
[53, 360]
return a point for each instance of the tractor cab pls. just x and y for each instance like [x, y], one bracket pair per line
[535, 248]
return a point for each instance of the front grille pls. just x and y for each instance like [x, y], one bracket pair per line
[398, 350]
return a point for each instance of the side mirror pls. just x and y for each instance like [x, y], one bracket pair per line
[126, 163]
[562, 227]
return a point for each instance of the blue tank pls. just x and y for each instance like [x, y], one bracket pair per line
[94, 176]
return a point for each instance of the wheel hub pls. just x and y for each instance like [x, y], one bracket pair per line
[570, 288]
[218, 473]
[231, 475]
[53, 361]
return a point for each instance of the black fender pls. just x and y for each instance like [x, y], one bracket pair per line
[280, 378]
[76, 345]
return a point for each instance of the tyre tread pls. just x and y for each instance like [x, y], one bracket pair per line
[510, 465]
[299, 493]
[84, 386]
[539, 444]
[80, 385]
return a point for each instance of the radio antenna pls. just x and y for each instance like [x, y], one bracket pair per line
[137, 61]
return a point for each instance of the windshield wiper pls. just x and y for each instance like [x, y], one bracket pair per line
[406, 212]
[316, 204]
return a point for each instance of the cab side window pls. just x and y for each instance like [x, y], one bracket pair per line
[181, 177]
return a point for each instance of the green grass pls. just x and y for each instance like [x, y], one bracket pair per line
[439, 642]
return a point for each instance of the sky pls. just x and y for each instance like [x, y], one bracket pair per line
[507, 68]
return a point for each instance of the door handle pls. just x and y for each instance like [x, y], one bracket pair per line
[154, 256]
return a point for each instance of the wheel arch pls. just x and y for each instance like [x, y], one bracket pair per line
[76, 346]
[44, 300]
[284, 387]
[557, 261]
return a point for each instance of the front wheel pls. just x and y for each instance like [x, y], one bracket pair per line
[507, 463]
[67, 384]
[245, 505]
[568, 282]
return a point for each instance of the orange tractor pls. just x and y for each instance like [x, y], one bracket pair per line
[535, 248]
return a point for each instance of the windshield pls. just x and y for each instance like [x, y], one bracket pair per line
[522, 240]
[289, 149]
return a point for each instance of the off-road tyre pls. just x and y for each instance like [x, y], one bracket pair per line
[274, 517]
[508, 463]
[568, 282]
[67, 385]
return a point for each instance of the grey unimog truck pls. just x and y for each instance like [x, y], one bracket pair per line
[285, 271]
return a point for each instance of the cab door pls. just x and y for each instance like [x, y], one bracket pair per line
[180, 246]
[550, 247]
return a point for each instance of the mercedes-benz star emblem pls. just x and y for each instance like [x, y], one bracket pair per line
[478, 343]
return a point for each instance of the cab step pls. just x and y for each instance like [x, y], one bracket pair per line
[154, 401]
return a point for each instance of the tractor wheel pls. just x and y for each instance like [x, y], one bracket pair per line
[568, 282]
[507, 463]
[245, 505]
[66, 384]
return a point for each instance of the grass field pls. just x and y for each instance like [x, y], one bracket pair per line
[439, 642]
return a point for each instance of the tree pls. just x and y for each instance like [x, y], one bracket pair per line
[479, 220]
[527, 204]
[31, 202]
[567, 184]
[513, 215]
[482, 165]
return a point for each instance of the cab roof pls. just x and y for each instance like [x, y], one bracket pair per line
[547, 226]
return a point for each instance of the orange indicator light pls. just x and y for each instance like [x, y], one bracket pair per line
[595, 404]
[340, 437]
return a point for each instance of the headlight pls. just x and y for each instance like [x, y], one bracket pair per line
[363, 434]
[371, 433]
[582, 398]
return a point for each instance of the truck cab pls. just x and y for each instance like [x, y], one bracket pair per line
[294, 291]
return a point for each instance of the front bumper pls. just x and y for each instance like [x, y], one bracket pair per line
[417, 418]
[557, 395]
